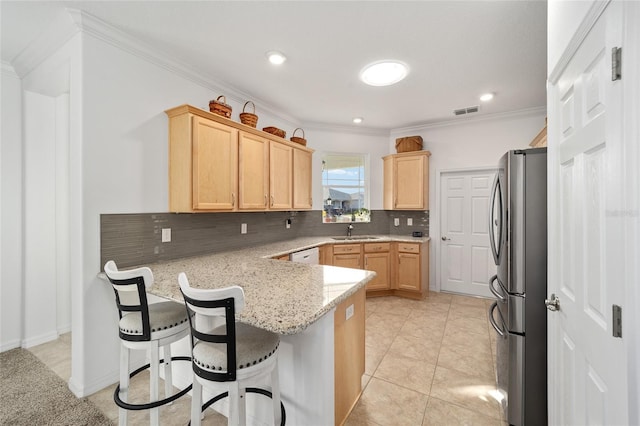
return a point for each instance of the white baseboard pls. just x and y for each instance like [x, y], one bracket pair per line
[97, 385]
[38, 340]
[11, 344]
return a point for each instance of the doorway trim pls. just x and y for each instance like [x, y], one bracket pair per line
[435, 231]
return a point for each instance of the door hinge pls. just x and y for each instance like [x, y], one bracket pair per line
[616, 63]
[617, 321]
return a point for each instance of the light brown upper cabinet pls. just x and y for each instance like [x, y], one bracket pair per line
[406, 181]
[253, 172]
[216, 164]
[302, 179]
[280, 176]
[204, 160]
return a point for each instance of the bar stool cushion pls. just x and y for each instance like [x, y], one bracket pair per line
[253, 346]
[162, 316]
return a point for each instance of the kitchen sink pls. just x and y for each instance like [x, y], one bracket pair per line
[355, 237]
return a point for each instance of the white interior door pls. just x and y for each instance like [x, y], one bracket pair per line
[466, 262]
[587, 365]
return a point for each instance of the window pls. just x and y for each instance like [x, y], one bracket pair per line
[345, 188]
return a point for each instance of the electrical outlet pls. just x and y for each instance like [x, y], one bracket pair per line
[166, 235]
[396, 221]
[409, 221]
[349, 312]
[243, 228]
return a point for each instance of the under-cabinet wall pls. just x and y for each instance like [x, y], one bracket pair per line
[135, 239]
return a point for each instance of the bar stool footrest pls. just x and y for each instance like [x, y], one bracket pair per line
[120, 403]
[250, 390]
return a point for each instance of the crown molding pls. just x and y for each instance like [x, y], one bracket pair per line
[60, 30]
[527, 112]
[7, 70]
[107, 33]
[326, 127]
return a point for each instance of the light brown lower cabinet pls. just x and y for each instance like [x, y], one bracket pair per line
[377, 259]
[402, 269]
[349, 356]
[347, 255]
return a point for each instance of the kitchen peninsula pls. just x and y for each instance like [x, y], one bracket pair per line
[318, 311]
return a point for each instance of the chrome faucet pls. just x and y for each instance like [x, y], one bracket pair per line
[349, 229]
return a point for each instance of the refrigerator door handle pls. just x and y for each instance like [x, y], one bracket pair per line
[502, 332]
[495, 192]
[498, 294]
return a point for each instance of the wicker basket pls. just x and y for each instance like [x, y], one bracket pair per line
[220, 107]
[408, 144]
[302, 141]
[275, 131]
[249, 118]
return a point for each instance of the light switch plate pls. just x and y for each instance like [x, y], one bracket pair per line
[243, 228]
[396, 221]
[409, 221]
[166, 235]
[349, 312]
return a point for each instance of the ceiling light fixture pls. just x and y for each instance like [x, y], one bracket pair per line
[384, 73]
[486, 97]
[358, 120]
[275, 57]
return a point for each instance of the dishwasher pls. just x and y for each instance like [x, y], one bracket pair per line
[310, 256]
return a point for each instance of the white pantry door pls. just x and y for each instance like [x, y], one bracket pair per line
[587, 367]
[466, 263]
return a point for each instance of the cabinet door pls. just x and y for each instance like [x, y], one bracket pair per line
[215, 162]
[280, 176]
[347, 260]
[409, 271]
[253, 172]
[409, 182]
[378, 263]
[301, 179]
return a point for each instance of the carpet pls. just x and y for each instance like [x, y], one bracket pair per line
[32, 394]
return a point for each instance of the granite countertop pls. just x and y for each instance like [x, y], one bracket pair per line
[282, 297]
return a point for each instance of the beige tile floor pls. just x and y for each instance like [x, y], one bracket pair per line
[428, 362]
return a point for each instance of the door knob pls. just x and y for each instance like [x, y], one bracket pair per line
[553, 303]
[446, 239]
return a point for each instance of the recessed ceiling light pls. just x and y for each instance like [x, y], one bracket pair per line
[486, 97]
[276, 58]
[384, 73]
[357, 120]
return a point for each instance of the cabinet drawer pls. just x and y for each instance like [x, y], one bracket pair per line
[408, 248]
[346, 248]
[376, 247]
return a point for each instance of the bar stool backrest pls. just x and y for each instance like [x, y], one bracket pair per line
[205, 304]
[130, 288]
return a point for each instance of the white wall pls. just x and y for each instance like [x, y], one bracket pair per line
[564, 18]
[10, 210]
[39, 217]
[469, 144]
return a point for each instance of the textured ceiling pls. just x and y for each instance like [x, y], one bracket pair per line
[456, 51]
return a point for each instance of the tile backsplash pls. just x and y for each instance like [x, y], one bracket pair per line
[136, 239]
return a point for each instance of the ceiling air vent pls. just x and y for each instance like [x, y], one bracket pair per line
[467, 110]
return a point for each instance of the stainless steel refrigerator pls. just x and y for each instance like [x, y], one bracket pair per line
[518, 233]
